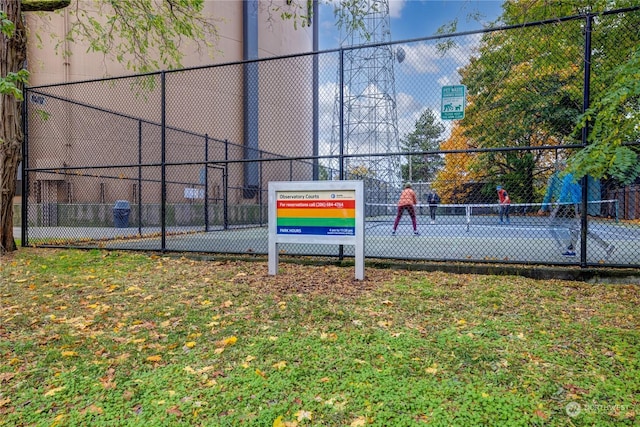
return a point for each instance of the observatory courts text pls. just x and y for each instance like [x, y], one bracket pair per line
[298, 196]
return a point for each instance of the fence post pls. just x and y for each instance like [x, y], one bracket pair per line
[140, 177]
[225, 187]
[163, 166]
[316, 96]
[585, 135]
[341, 172]
[25, 175]
[206, 182]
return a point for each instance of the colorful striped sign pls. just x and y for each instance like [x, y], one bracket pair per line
[318, 213]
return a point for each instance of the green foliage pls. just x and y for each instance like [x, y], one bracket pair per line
[349, 15]
[6, 26]
[426, 136]
[616, 122]
[143, 35]
[298, 11]
[11, 83]
[323, 173]
[526, 89]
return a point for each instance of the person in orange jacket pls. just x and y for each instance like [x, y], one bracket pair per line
[505, 203]
[407, 201]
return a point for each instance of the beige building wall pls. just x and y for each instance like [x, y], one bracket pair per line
[201, 101]
[48, 66]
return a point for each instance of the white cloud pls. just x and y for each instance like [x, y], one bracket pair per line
[420, 58]
[406, 105]
[447, 81]
[395, 8]
[424, 57]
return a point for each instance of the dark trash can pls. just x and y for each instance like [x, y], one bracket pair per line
[121, 211]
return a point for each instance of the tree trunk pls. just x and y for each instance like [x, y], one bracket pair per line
[13, 52]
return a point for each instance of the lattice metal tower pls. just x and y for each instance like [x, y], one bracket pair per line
[368, 100]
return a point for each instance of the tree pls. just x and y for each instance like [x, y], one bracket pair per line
[526, 86]
[616, 118]
[425, 137]
[520, 97]
[12, 56]
[452, 181]
[143, 34]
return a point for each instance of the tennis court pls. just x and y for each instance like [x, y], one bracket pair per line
[460, 233]
[474, 231]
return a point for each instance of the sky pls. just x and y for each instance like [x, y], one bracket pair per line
[411, 19]
[421, 76]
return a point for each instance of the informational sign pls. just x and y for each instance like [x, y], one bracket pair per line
[317, 212]
[453, 102]
[194, 193]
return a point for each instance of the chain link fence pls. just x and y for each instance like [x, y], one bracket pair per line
[181, 160]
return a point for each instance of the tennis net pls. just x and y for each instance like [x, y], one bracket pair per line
[519, 214]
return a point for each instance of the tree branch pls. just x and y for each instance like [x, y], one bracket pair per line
[44, 5]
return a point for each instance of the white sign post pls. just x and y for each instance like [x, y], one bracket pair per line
[316, 212]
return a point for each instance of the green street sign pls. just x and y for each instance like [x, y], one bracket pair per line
[454, 99]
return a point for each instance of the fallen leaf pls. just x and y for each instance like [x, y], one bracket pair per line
[422, 418]
[107, 383]
[303, 415]
[262, 374]
[69, 353]
[359, 422]
[93, 409]
[330, 337]
[280, 365]
[155, 358]
[174, 410]
[227, 341]
[6, 376]
[541, 414]
[54, 391]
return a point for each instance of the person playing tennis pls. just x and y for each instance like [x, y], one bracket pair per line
[408, 200]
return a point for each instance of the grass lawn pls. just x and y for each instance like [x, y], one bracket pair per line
[128, 339]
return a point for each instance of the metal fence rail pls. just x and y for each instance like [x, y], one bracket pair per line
[181, 160]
